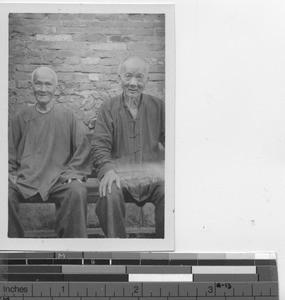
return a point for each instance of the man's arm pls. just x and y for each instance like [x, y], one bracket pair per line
[15, 134]
[80, 164]
[102, 143]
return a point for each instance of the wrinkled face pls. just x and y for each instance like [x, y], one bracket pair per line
[44, 86]
[133, 77]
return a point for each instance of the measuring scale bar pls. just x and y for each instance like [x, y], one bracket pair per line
[129, 273]
[137, 276]
[139, 289]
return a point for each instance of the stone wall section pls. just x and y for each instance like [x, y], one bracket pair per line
[85, 51]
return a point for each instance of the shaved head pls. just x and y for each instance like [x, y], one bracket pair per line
[44, 70]
[133, 60]
[44, 84]
[133, 76]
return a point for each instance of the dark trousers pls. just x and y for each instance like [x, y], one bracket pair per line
[71, 209]
[111, 210]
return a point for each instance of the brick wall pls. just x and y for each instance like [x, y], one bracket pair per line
[84, 50]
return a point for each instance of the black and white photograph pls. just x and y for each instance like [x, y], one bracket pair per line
[146, 127]
[90, 125]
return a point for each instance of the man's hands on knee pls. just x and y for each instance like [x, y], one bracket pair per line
[107, 181]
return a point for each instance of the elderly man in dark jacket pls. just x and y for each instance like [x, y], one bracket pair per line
[48, 159]
[126, 150]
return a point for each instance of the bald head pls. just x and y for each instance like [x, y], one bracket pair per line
[133, 76]
[44, 83]
[133, 61]
[46, 71]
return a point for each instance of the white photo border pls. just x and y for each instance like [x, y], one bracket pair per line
[166, 244]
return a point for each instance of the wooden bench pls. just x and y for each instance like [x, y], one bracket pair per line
[141, 224]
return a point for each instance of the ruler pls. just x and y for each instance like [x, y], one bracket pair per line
[137, 276]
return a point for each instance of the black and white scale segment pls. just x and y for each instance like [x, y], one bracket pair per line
[137, 276]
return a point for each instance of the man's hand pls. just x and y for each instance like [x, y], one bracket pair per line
[69, 180]
[12, 178]
[107, 181]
